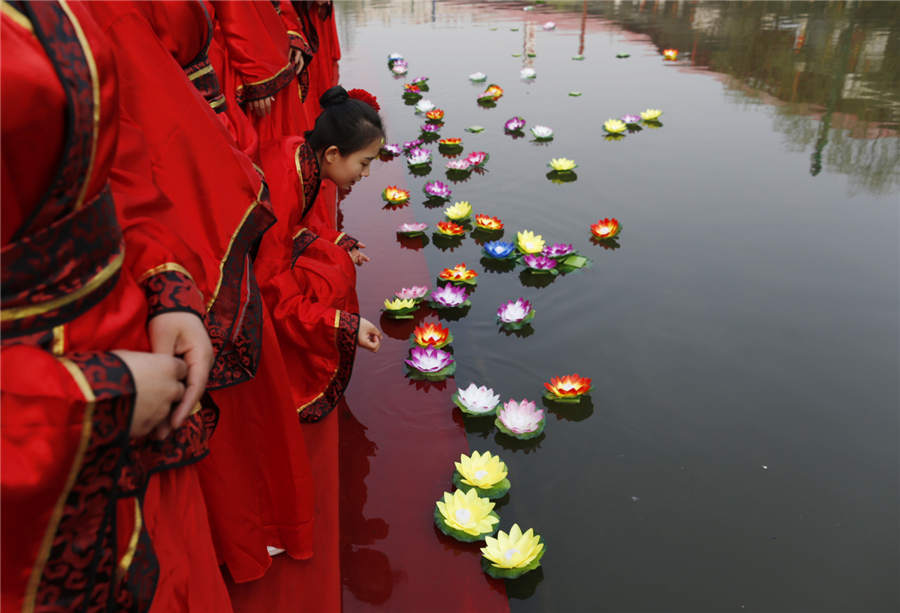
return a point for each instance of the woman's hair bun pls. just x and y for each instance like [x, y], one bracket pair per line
[332, 96]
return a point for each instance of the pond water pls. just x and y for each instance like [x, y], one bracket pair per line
[739, 450]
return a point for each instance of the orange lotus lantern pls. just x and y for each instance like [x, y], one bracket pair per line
[670, 54]
[431, 334]
[434, 115]
[450, 142]
[608, 227]
[459, 274]
[448, 228]
[567, 387]
[486, 222]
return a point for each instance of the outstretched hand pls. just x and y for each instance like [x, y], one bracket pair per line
[369, 336]
[359, 258]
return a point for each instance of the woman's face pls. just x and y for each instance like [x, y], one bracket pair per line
[347, 170]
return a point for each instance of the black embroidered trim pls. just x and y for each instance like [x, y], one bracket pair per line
[172, 291]
[347, 332]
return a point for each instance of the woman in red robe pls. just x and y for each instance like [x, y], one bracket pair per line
[83, 299]
[257, 480]
[306, 272]
[259, 52]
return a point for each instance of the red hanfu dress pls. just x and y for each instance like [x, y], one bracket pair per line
[75, 286]
[257, 480]
[308, 281]
[257, 45]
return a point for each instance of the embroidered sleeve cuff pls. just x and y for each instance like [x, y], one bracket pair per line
[266, 87]
[301, 241]
[298, 41]
[108, 387]
[172, 290]
[345, 241]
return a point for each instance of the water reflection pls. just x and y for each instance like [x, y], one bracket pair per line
[570, 411]
[829, 67]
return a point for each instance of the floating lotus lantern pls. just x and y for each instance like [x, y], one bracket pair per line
[411, 90]
[486, 222]
[477, 159]
[393, 57]
[477, 77]
[499, 250]
[394, 195]
[542, 132]
[418, 156]
[431, 335]
[459, 275]
[558, 250]
[459, 168]
[549, 26]
[493, 93]
[540, 264]
[414, 292]
[477, 401]
[448, 228]
[459, 211]
[430, 363]
[391, 150]
[450, 145]
[562, 165]
[399, 67]
[670, 54]
[466, 516]
[431, 129]
[483, 472]
[516, 313]
[575, 93]
[434, 115]
[631, 119]
[608, 227]
[509, 556]
[475, 129]
[449, 297]
[651, 114]
[514, 124]
[529, 242]
[412, 144]
[568, 388]
[527, 73]
[522, 420]
[400, 308]
[412, 229]
[614, 126]
[423, 106]
[437, 190]
[421, 83]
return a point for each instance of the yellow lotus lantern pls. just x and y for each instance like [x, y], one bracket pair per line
[465, 516]
[651, 114]
[459, 211]
[484, 472]
[529, 242]
[512, 555]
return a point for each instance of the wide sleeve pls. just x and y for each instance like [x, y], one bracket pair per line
[257, 46]
[65, 430]
[158, 259]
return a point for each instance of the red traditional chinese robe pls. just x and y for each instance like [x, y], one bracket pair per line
[257, 478]
[308, 281]
[75, 285]
[257, 45]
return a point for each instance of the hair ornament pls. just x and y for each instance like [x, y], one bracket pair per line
[361, 94]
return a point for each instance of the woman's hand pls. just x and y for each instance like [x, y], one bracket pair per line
[182, 334]
[261, 107]
[359, 258]
[296, 60]
[157, 383]
[369, 336]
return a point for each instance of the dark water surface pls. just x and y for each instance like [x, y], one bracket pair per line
[740, 449]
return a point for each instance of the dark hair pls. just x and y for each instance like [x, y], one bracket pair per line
[347, 123]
